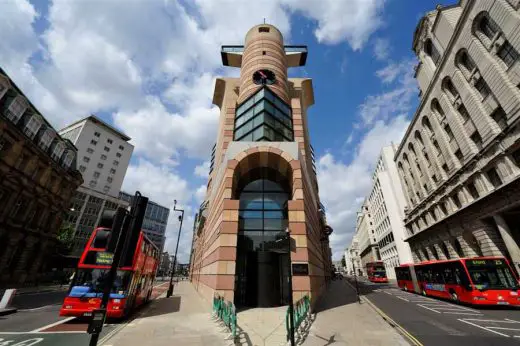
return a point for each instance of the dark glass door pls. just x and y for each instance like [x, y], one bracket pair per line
[260, 269]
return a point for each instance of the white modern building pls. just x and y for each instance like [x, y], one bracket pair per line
[459, 161]
[386, 206]
[103, 158]
[368, 250]
[103, 154]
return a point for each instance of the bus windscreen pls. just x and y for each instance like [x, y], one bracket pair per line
[90, 283]
[489, 274]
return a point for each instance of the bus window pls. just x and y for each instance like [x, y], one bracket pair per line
[448, 275]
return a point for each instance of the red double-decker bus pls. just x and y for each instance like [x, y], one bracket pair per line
[479, 281]
[133, 283]
[376, 272]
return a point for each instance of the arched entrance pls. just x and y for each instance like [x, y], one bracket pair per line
[261, 271]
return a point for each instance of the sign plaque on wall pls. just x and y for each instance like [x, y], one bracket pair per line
[299, 269]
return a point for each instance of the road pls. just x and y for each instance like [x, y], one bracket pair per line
[438, 322]
[37, 321]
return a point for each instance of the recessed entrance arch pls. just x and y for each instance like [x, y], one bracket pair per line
[263, 195]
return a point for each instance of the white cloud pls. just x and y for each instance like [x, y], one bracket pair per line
[381, 48]
[395, 101]
[202, 170]
[343, 186]
[390, 72]
[159, 183]
[342, 20]
[160, 135]
[200, 194]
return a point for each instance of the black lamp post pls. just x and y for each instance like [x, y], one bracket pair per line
[355, 279]
[181, 217]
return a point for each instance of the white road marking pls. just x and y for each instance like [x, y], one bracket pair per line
[489, 330]
[506, 320]
[406, 300]
[461, 313]
[39, 308]
[504, 328]
[53, 324]
[428, 308]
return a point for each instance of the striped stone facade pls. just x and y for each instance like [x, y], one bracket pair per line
[459, 161]
[214, 252]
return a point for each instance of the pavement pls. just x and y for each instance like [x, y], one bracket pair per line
[262, 326]
[431, 321]
[183, 319]
[342, 320]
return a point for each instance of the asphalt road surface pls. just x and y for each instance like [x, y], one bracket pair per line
[438, 322]
[37, 322]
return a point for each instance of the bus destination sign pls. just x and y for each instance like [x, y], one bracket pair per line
[486, 262]
[104, 258]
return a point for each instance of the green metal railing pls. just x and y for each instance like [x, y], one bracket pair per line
[226, 313]
[301, 311]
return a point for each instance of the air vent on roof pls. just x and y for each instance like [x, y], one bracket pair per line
[263, 29]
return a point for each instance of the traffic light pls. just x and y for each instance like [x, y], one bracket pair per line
[133, 228]
[118, 218]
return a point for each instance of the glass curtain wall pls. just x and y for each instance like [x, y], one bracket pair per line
[263, 117]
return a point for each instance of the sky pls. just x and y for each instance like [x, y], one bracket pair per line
[148, 67]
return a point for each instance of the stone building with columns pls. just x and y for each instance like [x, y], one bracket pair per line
[38, 176]
[459, 160]
[262, 182]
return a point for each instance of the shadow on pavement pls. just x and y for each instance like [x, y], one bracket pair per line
[161, 306]
[338, 293]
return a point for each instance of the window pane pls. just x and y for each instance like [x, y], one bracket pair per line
[259, 95]
[258, 133]
[259, 119]
[274, 201]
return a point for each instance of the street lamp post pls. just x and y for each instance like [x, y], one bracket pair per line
[181, 217]
[355, 279]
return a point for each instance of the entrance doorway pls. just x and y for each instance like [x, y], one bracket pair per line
[261, 271]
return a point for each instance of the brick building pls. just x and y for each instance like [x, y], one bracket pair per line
[459, 160]
[38, 176]
[262, 182]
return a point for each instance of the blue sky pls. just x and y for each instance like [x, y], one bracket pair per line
[148, 67]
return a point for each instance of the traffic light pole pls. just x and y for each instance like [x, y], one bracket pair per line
[120, 221]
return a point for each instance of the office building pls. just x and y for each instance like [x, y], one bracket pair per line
[262, 183]
[386, 205]
[459, 160]
[103, 158]
[155, 220]
[103, 154]
[38, 177]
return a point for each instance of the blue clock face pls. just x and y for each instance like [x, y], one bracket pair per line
[264, 77]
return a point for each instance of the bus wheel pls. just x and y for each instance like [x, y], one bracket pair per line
[454, 297]
[405, 288]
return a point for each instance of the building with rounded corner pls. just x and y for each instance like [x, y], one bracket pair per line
[262, 182]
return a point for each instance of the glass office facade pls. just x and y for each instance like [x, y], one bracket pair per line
[263, 117]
